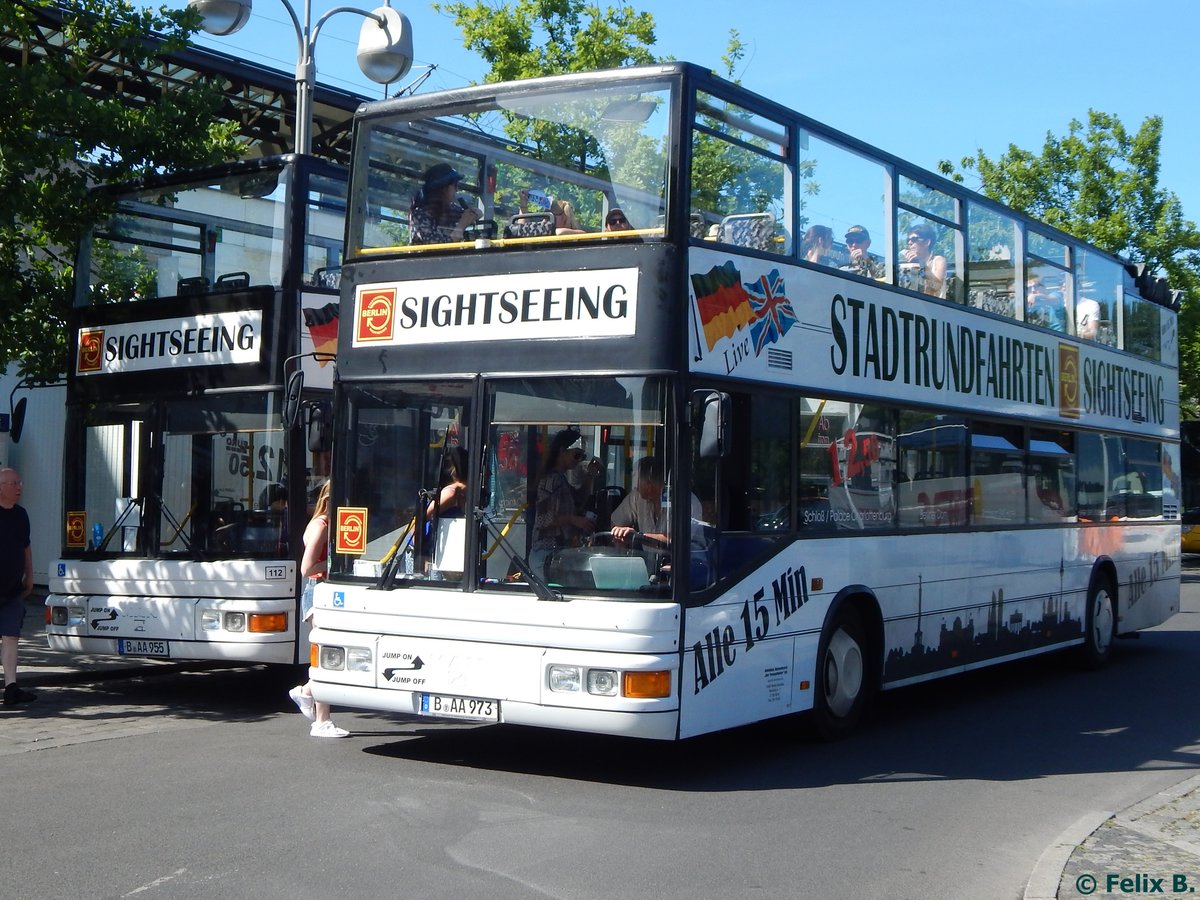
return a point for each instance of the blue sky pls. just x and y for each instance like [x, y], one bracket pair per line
[925, 82]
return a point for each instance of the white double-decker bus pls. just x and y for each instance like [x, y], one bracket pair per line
[185, 497]
[699, 413]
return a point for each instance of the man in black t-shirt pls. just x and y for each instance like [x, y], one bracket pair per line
[16, 581]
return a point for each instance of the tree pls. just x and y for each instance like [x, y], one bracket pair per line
[530, 38]
[1101, 184]
[60, 136]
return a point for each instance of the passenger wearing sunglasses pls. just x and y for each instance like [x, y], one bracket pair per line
[616, 220]
[858, 241]
[918, 254]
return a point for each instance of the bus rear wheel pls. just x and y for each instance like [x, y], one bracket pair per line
[1099, 622]
[842, 683]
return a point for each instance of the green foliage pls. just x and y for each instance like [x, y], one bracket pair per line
[122, 274]
[59, 136]
[530, 38]
[533, 38]
[1101, 183]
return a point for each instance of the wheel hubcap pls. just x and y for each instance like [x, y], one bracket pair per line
[1102, 621]
[843, 673]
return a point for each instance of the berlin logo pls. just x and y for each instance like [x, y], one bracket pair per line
[91, 347]
[376, 315]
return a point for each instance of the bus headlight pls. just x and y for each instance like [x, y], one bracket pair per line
[210, 620]
[603, 682]
[565, 679]
[235, 621]
[333, 658]
[358, 659]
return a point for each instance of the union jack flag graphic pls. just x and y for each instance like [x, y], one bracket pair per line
[772, 309]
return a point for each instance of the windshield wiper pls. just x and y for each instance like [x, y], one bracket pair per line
[137, 502]
[539, 585]
[391, 560]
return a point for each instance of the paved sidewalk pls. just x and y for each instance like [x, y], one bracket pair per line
[75, 702]
[1150, 849]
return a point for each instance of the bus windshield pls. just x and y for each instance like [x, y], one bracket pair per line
[544, 484]
[185, 476]
[556, 163]
[216, 234]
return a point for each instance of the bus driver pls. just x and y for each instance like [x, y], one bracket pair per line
[642, 509]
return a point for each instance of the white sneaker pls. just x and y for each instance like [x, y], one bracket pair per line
[304, 701]
[327, 729]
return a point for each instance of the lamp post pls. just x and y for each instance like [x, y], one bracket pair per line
[384, 47]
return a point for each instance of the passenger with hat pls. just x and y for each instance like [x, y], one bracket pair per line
[437, 215]
[858, 240]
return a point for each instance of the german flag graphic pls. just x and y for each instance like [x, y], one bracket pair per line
[322, 325]
[722, 303]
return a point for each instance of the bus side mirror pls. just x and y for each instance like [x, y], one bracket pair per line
[320, 427]
[714, 414]
[18, 420]
[291, 400]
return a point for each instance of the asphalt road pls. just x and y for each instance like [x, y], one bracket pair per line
[206, 784]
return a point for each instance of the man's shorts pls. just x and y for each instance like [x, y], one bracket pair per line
[12, 615]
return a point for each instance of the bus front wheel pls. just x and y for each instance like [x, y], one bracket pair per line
[1099, 622]
[842, 682]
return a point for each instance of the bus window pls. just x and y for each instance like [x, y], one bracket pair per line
[535, 166]
[1098, 281]
[1142, 326]
[859, 468]
[841, 190]
[224, 465]
[933, 470]
[991, 269]
[567, 460]
[1139, 486]
[746, 495]
[1050, 484]
[740, 178]
[997, 474]
[928, 241]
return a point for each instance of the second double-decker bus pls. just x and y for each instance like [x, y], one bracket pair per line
[666, 409]
[185, 498]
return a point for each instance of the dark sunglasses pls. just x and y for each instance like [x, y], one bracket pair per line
[854, 241]
[618, 220]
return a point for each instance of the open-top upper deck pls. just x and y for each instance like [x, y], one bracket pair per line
[613, 211]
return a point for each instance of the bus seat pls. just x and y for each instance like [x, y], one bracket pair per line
[233, 281]
[539, 224]
[189, 287]
[753, 230]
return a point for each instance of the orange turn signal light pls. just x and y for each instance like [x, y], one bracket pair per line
[267, 623]
[314, 656]
[647, 685]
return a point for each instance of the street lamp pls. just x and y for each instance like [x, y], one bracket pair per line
[384, 47]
